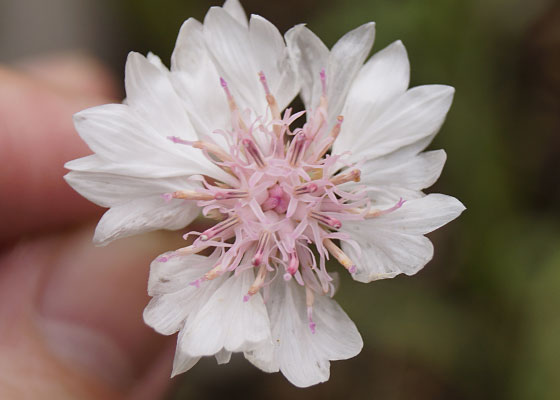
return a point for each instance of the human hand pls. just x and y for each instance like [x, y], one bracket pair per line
[71, 314]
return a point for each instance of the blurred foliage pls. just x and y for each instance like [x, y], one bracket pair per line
[482, 321]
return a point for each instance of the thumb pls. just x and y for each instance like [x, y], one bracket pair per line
[71, 321]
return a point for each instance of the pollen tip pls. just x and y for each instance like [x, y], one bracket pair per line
[223, 82]
[162, 259]
[312, 327]
[167, 196]
[340, 119]
[287, 276]
[196, 283]
[257, 260]
[204, 238]
[246, 298]
[352, 269]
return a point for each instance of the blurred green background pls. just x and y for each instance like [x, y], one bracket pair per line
[482, 320]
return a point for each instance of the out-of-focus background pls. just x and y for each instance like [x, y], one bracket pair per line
[482, 320]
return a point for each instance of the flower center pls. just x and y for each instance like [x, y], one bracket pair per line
[289, 194]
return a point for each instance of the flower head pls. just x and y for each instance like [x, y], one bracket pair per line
[212, 135]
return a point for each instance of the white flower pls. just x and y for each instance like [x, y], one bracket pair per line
[213, 135]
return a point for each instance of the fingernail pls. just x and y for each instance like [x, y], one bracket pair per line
[90, 309]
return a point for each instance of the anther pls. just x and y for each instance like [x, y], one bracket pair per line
[214, 272]
[293, 263]
[231, 194]
[257, 284]
[187, 195]
[213, 149]
[271, 100]
[261, 246]
[340, 255]
[307, 188]
[183, 251]
[331, 138]
[326, 219]
[309, 300]
[210, 148]
[231, 100]
[377, 213]
[254, 152]
[297, 148]
[219, 228]
[347, 176]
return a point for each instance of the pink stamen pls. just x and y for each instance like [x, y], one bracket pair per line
[297, 148]
[231, 100]
[293, 263]
[307, 188]
[257, 284]
[347, 176]
[231, 194]
[254, 152]
[377, 213]
[261, 246]
[219, 228]
[339, 255]
[309, 300]
[326, 219]
[264, 83]
[178, 140]
[188, 195]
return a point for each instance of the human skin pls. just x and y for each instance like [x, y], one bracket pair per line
[70, 313]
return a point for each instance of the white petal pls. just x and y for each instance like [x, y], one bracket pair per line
[311, 56]
[414, 117]
[182, 361]
[397, 176]
[229, 43]
[393, 243]
[177, 272]
[234, 8]
[156, 62]
[197, 81]
[223, 356]
[108, 190]
[143, 215]
[225, 321]
[346, 58]
[174, 299]
[381, 80]
[126, 145]
[150, 94]
[263, 357]
[272, 58]
[304, 357]
[240, 55]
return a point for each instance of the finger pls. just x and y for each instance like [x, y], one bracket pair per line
[37, 138]
[75, 72]
[71, 321]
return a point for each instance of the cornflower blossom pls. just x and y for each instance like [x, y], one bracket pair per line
[213, 135]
